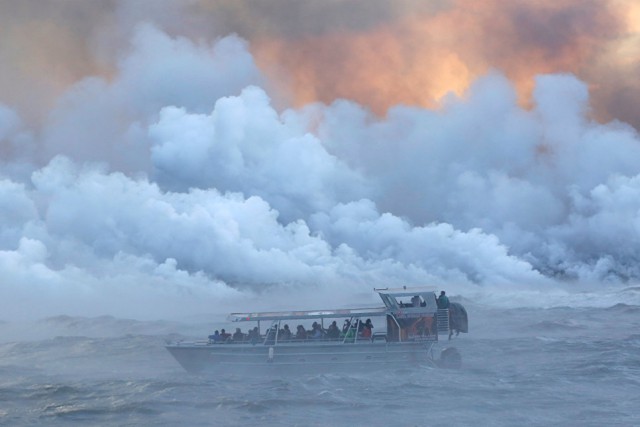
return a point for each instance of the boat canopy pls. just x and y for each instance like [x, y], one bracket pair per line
[396, 300]
[404, 291]
[311, 314]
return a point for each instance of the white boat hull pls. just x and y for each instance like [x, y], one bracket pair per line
[203, 357]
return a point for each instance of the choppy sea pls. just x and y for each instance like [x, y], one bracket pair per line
[569, 366]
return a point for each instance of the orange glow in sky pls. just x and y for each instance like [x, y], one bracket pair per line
[418, 59]
[377, 53]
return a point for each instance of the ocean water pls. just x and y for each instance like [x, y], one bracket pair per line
[570, 366]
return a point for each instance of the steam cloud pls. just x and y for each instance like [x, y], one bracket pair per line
[176, 178]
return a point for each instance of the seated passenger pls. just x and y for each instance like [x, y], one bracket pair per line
[316, 332]
[333, 332]
[366, 333]
[215, 338]
[254, 335]
[238, 336]
[285, 334]
[367, 329]
[350, 333]
[415, 301]
[224, 336]
[346, 326]
[301, 333]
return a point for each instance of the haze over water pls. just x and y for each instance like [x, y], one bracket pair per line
[532, 366]
[162, 166]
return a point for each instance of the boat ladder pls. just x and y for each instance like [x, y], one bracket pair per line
[442, 318]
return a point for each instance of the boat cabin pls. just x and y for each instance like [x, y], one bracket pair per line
[412, 314]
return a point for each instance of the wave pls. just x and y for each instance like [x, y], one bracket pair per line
[557, 326]
[624, 308]
[631, 289]
[106, 324]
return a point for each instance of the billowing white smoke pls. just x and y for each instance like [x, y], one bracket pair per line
[536, 179]
[177, 185]
[107, 121]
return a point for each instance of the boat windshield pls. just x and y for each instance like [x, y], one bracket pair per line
[414, 299]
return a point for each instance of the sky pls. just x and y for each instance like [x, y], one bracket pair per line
[165, 158]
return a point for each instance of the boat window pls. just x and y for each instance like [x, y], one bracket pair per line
[404, 302]
[390, 302]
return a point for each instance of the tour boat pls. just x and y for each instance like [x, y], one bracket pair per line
[405, 332]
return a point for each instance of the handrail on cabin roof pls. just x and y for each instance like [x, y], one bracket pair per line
[307, 314]
[404, 291]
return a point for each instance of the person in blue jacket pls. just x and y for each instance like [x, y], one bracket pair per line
[443, 300]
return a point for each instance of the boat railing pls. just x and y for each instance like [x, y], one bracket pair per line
[343, 339]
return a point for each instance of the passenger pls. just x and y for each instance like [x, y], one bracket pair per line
[367, 329]
[285, 334]
[415, 301]
[238, 336]
[254, 335]
[316, 332]
[368, 325]
[443, 300]
[333, 332]
[346, 327]
[224, 337]
[301, 333]
[215, 338]
[366, 333]
[350, 333]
